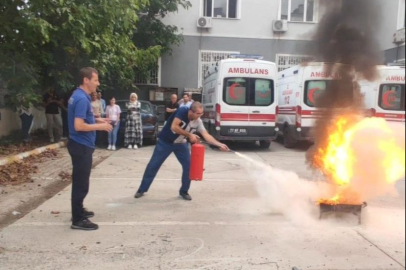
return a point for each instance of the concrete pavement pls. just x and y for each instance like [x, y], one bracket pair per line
[226, 226]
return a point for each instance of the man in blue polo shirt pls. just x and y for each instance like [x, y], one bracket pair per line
[82, 134]
[180, 128]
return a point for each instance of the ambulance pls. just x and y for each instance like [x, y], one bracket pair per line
[385, 97]
[240, 99]
[299, 89]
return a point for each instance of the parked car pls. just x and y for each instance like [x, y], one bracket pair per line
[161, 114]
[149, 121]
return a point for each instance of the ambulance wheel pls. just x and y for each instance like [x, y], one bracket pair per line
[264, 144]
[288, 140]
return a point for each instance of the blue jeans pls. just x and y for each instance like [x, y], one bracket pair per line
[112, 136]
[161, 153]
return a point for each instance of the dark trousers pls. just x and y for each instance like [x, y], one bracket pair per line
[26, 122]
[82, 158]
[161, 153]
[65, 125]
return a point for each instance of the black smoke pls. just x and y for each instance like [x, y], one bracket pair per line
[344, 35]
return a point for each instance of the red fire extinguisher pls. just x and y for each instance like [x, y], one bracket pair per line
[197, 162]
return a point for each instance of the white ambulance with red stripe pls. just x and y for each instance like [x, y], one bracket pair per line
[240, 99]
[385, 97]
[299, 88]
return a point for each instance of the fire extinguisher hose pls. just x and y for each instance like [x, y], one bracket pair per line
[215, 146]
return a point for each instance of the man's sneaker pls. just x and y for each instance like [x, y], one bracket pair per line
[52, 140]
[135, 147]
[138, 195]
[85, 224]
[113, 148]
[64, 138]
[109, 148]
[88, 214]
[185, 196]
[130, 147]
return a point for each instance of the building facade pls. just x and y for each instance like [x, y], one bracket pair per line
[247, 27]
[244, 27]
[390, 30]
[238, 27]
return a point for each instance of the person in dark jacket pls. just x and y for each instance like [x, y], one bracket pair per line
[171, 107]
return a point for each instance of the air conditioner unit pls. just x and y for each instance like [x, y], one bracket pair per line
[399, 36]
[204, 22]
[280, 26]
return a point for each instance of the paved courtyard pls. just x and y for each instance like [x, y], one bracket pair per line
[227, 225]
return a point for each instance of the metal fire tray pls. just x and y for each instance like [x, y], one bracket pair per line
[355, 209]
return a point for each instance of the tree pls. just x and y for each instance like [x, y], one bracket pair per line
[150, 30]
[45, 42]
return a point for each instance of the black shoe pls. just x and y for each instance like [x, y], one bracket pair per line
[85, 225]
[138, 195]
[185, 196]
[88, 214]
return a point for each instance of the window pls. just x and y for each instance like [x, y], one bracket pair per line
[235, 91]
[248, 91]
[326, 92]
[263, 92]
[153, 78]
[220, 8]
[298, 10]
[208, 8]
[314, 89]
[284, 10]
[401, 15]
[392, 97]
[286, 61]
[207, 58]
[146, 108]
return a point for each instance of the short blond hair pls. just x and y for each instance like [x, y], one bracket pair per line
[134, 95]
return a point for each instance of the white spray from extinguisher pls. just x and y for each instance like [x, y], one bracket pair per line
[285, 192]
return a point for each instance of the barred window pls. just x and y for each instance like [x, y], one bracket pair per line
[153, 77]
[207, 58]
[285, 61]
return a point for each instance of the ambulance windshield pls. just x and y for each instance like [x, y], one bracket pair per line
[392, 97]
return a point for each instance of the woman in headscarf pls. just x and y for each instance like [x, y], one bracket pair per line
[133, 127]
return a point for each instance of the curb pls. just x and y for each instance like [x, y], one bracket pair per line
[34, 152]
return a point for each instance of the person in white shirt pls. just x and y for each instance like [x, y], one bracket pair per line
[113, 112]
[186, 101]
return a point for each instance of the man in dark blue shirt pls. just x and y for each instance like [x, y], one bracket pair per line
[181, 126]
[82, 133]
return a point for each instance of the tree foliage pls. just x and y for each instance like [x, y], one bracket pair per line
[44, 43]
[150, 29]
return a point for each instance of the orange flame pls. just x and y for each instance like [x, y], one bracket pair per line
[338, 160]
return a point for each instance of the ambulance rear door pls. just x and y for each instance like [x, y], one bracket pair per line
[391, 96]
[234, 99]
[262, 99]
